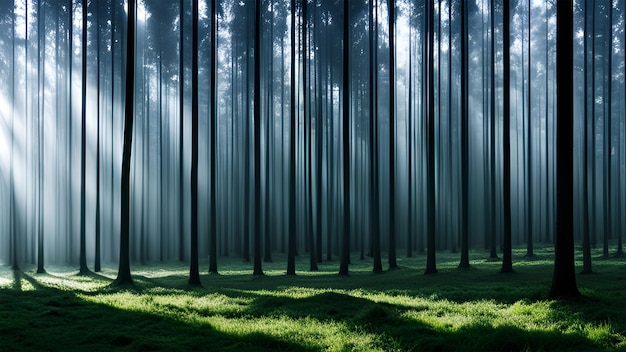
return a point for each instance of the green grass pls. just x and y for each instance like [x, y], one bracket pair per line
[477, 309]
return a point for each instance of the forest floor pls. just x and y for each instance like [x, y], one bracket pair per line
[477, 309]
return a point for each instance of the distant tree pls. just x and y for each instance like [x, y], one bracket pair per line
[257, 140]
[194, 271]
[529, 202]
[586, 245]
[564, 278]
[507, 264]
[345, 236]
[123, 274]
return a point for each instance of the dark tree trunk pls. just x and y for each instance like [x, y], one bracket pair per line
[373, 86]
[257, 140]
[213, 123]
[83, 141]
[97, 262]
[194, 271]
[564, 279]
[345, 236]
[291, 246]
[123, 274]
[529, 201]
[507, 263]
[40, 132]
[181, 112]
[392, 133]
[493, 254]
[431, 263]
[464, 264]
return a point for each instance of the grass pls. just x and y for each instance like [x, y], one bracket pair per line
[477, 309]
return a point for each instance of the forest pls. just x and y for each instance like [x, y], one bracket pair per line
[312, 174]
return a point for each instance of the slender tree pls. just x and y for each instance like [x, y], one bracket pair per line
[431, 263]
[291, 246]
[529, 201]
[83, 247]
[181, 112]
[123, 274]
[194, 271]
[373, 86]
[392, 172]
[257, 140]
[464, 264]
[564, 278]
[586, 245]
[345, 236]
[507, 263]
[213, 122]
[492, 135]
[97, 261]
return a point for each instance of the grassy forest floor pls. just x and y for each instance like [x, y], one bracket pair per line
[477, 309]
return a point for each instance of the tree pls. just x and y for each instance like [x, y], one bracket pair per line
[291, 246]
[181, 112]
[492, 135]
[464, 264]
[392, 96]
[345, 236]
[213, 122]
[564, 278]
[257, 140]
[194, 271]
[83, 247]
[507, 264]
[97, 261]
[431, 266]
[123, 274]
[373, 86]
[586, 245]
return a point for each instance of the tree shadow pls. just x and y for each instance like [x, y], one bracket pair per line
[47, 318]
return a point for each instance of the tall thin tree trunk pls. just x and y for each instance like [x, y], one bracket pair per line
[181, 112]
[373, 86]
[257, 140]
[586, 245]
[83, 247]
[431, 264]
[392, 166]
[291, 246]
[97, 261]
[194, 271]
[123, 274]
[213, 123]
[464, 264]
[493, 254]
[345, 236]
[507, 263]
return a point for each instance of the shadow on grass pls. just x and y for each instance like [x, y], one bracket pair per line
[53, 319]
[46, 318]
